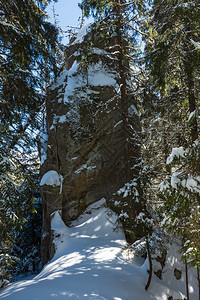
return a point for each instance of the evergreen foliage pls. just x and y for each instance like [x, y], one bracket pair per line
[17, 194]
[27, 242]
[120, 38]
[173, 61]
[180, 192]
[28, 43]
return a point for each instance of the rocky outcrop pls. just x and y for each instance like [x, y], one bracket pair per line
[85, 146]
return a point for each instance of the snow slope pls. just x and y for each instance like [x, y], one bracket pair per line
[89, 264]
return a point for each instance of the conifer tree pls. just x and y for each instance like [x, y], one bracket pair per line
[118, 26]
[27, 62]
[173, 60]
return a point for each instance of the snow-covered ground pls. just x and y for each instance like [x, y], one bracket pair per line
[89, 264]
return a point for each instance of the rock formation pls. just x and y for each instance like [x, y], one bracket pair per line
[84, 155]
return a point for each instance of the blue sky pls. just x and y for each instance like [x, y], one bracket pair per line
[69, 13]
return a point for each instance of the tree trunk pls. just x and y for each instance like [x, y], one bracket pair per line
[150, 265]
[192, 106]
[166, 148]
[124, 103]
[123, 87]
[186, 280]
[198, 278]
[191, 97]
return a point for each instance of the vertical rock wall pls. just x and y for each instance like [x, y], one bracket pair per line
[85, 144]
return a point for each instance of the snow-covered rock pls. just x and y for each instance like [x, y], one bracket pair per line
[51, 178]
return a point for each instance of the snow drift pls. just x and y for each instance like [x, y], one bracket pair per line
[89, 264]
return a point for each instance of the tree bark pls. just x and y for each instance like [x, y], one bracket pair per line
[191, 97]
[198, 278]
[150, 265]
[186, 280]
[123, 86]
[124, 103]
[166, 148]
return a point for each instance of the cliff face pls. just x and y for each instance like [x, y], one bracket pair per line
[84, 157]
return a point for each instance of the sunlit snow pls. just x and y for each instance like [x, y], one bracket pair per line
[52, 178]
[176, 152]
[89, 264]
[82, 33]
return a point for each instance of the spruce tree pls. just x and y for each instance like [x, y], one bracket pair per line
[118, 26]
[27, 63]
[28, 43]
[173, 60]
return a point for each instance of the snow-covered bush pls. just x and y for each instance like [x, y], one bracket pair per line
[181, 194]
[130, 202]
[18, 219]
